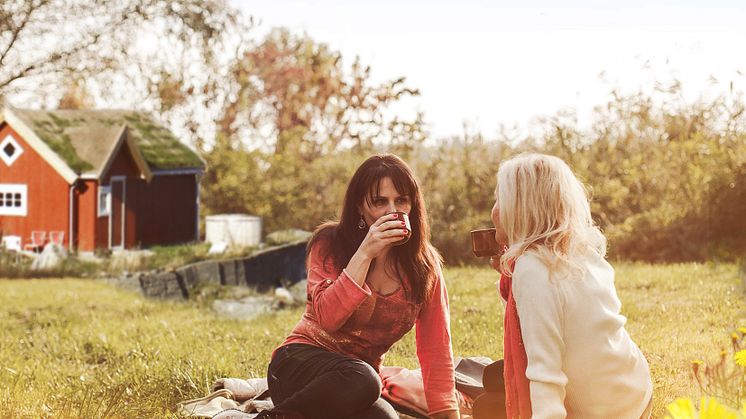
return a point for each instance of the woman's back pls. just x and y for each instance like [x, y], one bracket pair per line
[603, 372]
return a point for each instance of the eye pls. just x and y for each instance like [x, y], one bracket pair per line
[402, 200]
[379, 202]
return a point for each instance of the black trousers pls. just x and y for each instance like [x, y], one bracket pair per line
[321, 384]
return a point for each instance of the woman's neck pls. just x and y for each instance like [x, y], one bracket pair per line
[382, 260]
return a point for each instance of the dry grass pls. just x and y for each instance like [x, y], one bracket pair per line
[82, 348]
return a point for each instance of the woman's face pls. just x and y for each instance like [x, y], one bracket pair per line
[388, 200]
[500, 236]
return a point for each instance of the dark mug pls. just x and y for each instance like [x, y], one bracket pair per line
[404, 217]
[483, 243]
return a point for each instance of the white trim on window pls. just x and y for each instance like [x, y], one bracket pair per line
[10, 150]
[13, 199]
[104, 201]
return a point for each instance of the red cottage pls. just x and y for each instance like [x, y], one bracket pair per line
[97, 179]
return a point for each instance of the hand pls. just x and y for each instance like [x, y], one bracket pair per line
[448, 414]
[495, 260]
[386, 231]
[495, 263]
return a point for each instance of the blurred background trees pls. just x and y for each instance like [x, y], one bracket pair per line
[283, 121]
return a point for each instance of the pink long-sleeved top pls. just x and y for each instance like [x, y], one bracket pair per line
[343, 317]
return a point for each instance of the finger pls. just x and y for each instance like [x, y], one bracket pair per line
[384, 218]
[388, 225]
[494, 261]
[401, 232]
[394, 233]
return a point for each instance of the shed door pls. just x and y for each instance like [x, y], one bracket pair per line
[116, 217]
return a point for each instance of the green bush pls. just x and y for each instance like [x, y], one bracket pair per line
[667, 178]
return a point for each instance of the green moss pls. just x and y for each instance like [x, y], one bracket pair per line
[64, 148]
[60, 122]
[159, 147]
[53, 134]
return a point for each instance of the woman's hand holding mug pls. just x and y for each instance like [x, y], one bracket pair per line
[385, 232]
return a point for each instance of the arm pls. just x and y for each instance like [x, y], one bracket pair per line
[386, 231]
[333, 294]
[433, 339]
[540, 313]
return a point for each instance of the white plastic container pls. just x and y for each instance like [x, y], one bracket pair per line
[233, 229]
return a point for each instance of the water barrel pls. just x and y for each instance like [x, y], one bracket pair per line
[233, 229]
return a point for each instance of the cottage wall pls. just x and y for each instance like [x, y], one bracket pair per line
[168, 210]
[86, 214]
[163, 211]
[122, 165]
[47, 192]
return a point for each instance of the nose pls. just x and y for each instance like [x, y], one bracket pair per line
[391, 207]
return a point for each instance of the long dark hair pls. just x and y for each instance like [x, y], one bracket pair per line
[416, 260]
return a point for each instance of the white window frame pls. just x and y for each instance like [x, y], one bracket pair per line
[14, 188]
[9, 160]
[106, 210]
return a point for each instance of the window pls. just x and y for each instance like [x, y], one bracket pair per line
[13, 199]
[10, 150]
[104, 201]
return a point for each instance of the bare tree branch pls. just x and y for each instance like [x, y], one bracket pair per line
[32, 7]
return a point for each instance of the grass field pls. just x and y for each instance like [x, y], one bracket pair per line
[84, 348]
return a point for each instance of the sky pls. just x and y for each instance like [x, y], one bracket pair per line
[497, 63]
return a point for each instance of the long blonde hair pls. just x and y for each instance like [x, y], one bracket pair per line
[544, 208]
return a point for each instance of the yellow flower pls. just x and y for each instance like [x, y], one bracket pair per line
[708, 409]
[742, 330]
[711, 409]
[741, 357]
[681, 409]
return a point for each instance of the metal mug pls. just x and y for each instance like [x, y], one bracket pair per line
[404, 217]
[483, 243]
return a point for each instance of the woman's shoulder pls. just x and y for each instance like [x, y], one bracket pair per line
[322, 237]
[530, 261]
[320, 249]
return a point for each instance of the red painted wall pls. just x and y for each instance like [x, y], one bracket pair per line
[47, 201]
[168, 210]
[122, 165]
[86, 208]
[160, 212]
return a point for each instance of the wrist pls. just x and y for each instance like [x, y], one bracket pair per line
[363, 254]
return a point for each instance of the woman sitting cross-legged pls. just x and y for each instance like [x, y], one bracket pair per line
[370, 280]
[567, 353]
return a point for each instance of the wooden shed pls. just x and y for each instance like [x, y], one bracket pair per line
[97, 178]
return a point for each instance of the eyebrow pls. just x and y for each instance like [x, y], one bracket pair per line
[381, 196]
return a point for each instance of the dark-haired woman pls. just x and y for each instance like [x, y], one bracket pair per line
[367, 287]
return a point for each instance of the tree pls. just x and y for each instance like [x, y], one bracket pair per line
[304, 122]
[153, 55]
[295, 95]
[39, 37]
[76, 96]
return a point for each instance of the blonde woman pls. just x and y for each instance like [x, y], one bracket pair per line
[567, 353]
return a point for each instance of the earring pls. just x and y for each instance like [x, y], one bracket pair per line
[361, 224]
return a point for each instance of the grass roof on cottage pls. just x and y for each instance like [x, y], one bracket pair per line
[85, 139]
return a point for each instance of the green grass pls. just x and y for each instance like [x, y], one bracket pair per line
[82, 348]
